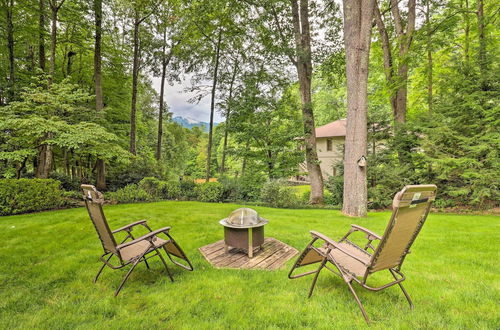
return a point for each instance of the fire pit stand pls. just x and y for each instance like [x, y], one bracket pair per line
[243, 229]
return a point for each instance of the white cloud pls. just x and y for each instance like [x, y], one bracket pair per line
[177, 99]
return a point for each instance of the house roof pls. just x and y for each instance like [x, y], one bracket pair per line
[335, 128]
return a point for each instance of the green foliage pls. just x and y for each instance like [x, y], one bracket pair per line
[277, 193]
[171, 190]
[29, 195]
[67, 182]
[131, 193]
[188, 189]
[335, 186]
[246, 188]
[152, 186]
[210, 192]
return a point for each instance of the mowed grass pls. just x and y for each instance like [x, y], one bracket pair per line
[48, 260]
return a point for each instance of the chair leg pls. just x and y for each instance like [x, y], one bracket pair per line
[316, 277]
[165, 264]
[126, 276]
[358, 301]
[101, 269]
[403, 289]
[146, 262]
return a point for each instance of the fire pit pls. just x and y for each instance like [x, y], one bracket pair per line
[243, 229]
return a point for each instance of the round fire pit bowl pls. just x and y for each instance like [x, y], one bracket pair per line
[243, 229]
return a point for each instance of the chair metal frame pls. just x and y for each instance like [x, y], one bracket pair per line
[170, 246]
[312, 254]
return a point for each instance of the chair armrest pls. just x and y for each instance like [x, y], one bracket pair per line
[146, 237]
[371, 235]
[130, 225]
[334, 244]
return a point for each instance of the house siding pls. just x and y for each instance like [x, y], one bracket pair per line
[328, 159]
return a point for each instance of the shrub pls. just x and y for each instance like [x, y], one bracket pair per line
[170, 190]
[246, 188]
[276, 193]
[152, 186]
[335, 186]
[29, 195]
[67, 183]
[188, 189]
[210, 192]
[131, 193]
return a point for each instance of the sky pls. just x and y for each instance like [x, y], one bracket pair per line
[177, 100]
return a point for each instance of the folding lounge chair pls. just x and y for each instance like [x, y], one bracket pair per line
[131, 250]
[354, 263]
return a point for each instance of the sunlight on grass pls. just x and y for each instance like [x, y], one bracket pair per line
[48, 261]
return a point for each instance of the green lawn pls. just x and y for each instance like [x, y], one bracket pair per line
[48, 260]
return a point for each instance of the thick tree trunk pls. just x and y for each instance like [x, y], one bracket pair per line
[162, 93]
[44, 166]
[212, 105]
[41, 35]
[135, 77]
[10, 47]
[100, 176]
[300, 18]
[357, 35]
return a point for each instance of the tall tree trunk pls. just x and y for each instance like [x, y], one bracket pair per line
[482, 44]
[44, 165]
[97, 55]
[357, 36]
[228, 114]
[53, 41]
[135, 76]
[162, 93]
[303, 64]
[212, 104]
[41, 35]
[10, 47]
[100, 164]
[245, 156]
[388, 59]
[466, 33]
[429, 56]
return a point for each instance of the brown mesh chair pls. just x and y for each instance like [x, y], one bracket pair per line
[131, 250]
[355, 263]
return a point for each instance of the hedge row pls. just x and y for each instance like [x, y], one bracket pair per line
[29, 195]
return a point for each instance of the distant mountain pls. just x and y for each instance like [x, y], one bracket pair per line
[190, 123]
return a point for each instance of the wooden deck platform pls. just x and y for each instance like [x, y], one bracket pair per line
[272, 255]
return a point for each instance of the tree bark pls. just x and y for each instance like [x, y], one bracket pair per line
[135, 76]
[482, 45]
[162, 93]
[466, 32]
[10, 47]
[398, 76]
[212, 104]
[228, 114]
[303, 64]
[100, 164]
[429, 56]
[97, 55]
[44, 158]
[41, 35]
[54, 8]
[357, 36]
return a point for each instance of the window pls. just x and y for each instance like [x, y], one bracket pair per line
[329, 144]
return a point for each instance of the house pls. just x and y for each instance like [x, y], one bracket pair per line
[330, 140]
